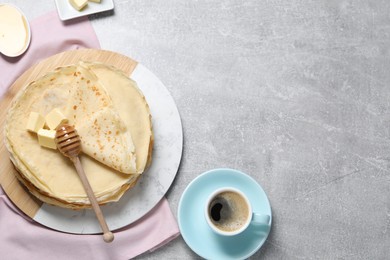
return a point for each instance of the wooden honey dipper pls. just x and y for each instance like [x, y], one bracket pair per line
[69, 144]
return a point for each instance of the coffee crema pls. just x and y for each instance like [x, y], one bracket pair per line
[228, 211]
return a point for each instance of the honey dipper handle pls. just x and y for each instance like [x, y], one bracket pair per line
[108, 236]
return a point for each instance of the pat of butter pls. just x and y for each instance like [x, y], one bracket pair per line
[46, 138]
[78, 4]
[55, 118]
[35, 122]
[96, 1]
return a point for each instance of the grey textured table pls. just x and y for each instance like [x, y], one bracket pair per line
[294, 93]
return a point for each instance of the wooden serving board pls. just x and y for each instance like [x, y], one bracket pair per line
[15, 191]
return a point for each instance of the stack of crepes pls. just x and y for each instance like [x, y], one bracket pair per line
[113, 121]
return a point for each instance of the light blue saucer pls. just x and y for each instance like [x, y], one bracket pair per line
[193, 226]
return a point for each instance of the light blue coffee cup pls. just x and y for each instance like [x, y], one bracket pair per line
[245, 218]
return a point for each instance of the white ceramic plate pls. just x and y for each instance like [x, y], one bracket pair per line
[154, 183]
[67, 12]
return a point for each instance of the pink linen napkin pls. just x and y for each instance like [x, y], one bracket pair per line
[21, 237]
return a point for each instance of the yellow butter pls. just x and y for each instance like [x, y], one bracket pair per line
[46, 138]
[96, 1]
[35, 122]
[55, 118]
[14, 33]
[78, 4]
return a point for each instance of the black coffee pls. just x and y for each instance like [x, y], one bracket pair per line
[216, 211]
[228, 211]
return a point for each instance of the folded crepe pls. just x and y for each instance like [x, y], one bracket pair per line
[129, 101]
[104, 136]
[112, 118]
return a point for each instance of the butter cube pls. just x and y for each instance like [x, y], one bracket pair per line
[55, 118]
[78, 4]
[35, 122]
[46, 138]
[96, 1]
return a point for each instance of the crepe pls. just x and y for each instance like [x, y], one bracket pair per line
[104, 136]
[120, 108]
[132, 108]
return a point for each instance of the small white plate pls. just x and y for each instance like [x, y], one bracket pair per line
[27, 25]
[67, 12]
